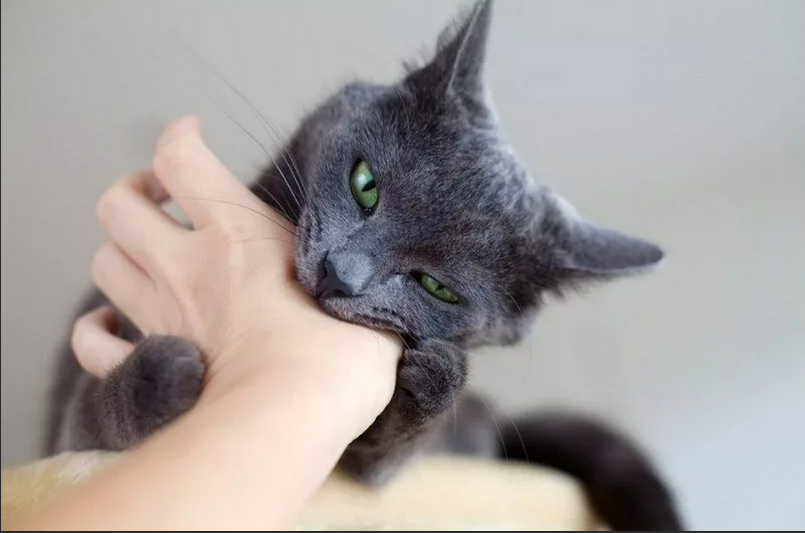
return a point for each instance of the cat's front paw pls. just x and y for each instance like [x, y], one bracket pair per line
[431, 375]
[168, 374]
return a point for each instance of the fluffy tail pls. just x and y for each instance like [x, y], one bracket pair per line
[624, 488]
[621, 483]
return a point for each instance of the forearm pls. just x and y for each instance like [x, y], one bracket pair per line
[226, 465]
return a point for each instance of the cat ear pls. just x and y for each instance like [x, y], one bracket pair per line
[594, 251]
[457, 68]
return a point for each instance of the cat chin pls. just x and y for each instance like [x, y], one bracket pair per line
[345, 309]
[336, 307]
[348, 310]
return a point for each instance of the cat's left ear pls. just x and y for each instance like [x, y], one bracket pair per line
[592, 251]
[457, 68]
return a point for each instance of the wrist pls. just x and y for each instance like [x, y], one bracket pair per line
[331, 364]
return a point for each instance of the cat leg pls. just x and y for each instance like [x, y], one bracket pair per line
[429, 377]
[159, 381]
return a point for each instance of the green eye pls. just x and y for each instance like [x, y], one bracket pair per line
[436, 289]
[363, 187]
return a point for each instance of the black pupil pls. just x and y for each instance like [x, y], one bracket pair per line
[368, 186]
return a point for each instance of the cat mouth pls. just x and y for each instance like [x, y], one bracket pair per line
[342, 300]
[343, 308]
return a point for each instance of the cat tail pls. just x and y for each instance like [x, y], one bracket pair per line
[623, 486]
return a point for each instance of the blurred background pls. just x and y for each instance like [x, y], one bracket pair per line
[683, 122]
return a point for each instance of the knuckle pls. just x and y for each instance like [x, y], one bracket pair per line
[78, 339]
[170, 156]
[174, 276]
[106, 206]
[177, 285]
[174, 265]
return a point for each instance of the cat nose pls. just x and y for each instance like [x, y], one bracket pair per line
[345, 274]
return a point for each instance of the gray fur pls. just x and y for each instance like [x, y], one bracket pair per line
[157, 383]
[454, 202]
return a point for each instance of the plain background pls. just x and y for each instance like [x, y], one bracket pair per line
[683, 122]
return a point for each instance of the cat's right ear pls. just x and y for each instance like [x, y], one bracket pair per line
[593, 251]
[456, 71]
[582, 250]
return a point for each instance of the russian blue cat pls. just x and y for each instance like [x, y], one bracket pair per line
[414, 215]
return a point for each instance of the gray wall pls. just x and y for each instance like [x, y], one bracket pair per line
[680, 121]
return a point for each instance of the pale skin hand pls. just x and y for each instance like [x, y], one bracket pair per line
[287, 387]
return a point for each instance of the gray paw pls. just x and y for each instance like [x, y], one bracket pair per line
[431, 376]
[168, 374]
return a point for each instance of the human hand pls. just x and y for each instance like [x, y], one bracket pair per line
[287, 387]
[226, 284]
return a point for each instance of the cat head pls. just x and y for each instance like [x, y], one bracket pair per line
[419, 218]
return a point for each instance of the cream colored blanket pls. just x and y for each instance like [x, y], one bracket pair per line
[437, 493]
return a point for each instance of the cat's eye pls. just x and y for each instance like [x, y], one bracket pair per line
[436, 289]
[362, 185]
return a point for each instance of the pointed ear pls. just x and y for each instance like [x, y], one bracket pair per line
[594, 251]
[457, 67]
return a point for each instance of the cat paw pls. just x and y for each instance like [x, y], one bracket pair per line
[430, 376]
[168, 375]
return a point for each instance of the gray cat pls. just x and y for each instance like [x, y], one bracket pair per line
[414, 216]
